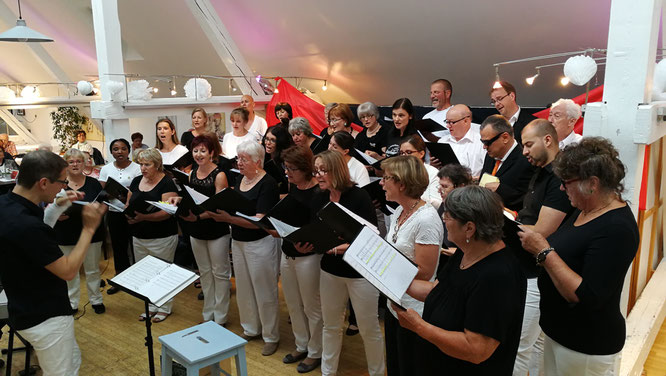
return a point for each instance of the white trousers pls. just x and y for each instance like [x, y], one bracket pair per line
[335, 292]
[529, 333]
[164, 248]
[300, 286]
[93, 278]
[212, 257]
[562, 361]
[256, 271]
[55, 346]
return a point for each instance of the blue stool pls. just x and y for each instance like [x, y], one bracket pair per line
[200, 346]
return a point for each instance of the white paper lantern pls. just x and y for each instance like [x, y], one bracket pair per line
[7, 93]
[139, 90]
[580, 69]
[659, 82]
[115, 87]
[84, 87]
[203, 88]
[30, 92]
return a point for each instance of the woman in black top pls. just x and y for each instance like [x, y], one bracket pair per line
[473, 313]
[284, 114]
[450, 177]
[585, 261]
[199, 124]
[372, 138]
[402, 127]
[254, 252]
[301, 133]
[154, 232]
[275, 141]
[68, 229]
[300, 271]
[339, 282]
[210, 239]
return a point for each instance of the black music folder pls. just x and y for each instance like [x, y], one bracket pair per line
[376, 192]
[443, 152]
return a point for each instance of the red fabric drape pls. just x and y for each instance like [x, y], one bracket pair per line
[595, 95]
[300, 104]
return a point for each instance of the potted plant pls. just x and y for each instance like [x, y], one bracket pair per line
[66, 121]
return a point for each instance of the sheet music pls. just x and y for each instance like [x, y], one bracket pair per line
[368, 158]
[358, 218]
[487, 178]
[198, 198]
[251, 218]
[171, 209]
[282, 228]
[381, 264]
[182, 172]
[141, 272]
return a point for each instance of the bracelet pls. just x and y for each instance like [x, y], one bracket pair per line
[335, 251]
[541, 256]
[198, 217]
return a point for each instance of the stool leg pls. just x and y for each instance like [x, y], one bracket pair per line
[10, 351]
[241, 363]
[167, 362]
[215, 369]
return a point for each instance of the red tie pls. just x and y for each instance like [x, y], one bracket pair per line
[497, 164]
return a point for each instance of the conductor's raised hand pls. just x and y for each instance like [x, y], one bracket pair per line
[70, 196]
[92, 215]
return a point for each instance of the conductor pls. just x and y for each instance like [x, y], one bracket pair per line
[32, 267]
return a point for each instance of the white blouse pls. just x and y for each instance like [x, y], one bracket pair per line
[172, 156]
[123, 176]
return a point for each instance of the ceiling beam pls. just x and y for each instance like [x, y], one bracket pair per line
[43, 57]
[219, 37]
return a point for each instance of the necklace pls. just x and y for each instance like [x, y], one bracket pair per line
[253, 180]
[598, 209]
[399, 223]
[473, 261]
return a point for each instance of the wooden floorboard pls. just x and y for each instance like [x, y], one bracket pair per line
[655, 365]
[113, 343]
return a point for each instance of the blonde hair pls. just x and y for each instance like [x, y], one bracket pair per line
[151, 155]
[74, 153]
[409, 171]
[336, 168]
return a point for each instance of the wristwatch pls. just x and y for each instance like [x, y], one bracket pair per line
[541, 256]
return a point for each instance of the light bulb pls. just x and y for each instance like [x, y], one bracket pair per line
[564, 81]
[155, 90]
[173, 92]
[324, 88]
[530, 80]
[276, 91]
[497, 85]
[233, 88]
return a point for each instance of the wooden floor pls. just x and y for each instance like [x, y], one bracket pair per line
[113, 343]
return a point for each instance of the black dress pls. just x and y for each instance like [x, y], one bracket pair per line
[69, 230]
[206, 229]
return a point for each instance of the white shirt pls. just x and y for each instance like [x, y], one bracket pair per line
[423, 227]
[258, 128]
[514, 118]
[172, 156]
[515, 143]
[123, 176]
[439, 117]
[469, 149]
[83, 146]
[431, 194]
[572, 138]
[358, 173]
[231, 142]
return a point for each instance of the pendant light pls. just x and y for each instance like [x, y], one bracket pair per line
[22, 33]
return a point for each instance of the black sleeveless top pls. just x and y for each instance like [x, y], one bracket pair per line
[206, 229]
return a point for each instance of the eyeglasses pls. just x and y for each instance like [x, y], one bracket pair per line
[490, 141]
[65, 182]
[565, 182]
[363, 117]
[389, 177]
[244, 160]
[319, 172]
[271, 140]
[493, 101]
[407, 152]
[291, 169]
[451, 122]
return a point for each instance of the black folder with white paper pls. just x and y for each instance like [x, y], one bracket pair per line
[443, 152]
[316, 233]
[227, 199]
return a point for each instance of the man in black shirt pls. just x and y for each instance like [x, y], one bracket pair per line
[34, 270]
[545, 207]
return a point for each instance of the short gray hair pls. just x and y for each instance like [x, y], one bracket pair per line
[368, 108]
[300, 124]
[498, 123]
[480, 206]
[571, 108]
[254, 150]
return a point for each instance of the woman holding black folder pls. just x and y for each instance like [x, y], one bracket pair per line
[122, 170]
[415, 230]
[254, 252]
[414, 145]
[154, 232]
[338, 281]
[402, 113]
[276, 140]
[210, 239]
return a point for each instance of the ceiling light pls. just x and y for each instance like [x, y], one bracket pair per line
[155, 90]
[173, 92]
[276, 91]
[530, 80]
[22, 33]
[497, 84]
[30, 92]
[325, 87]
[564, 81]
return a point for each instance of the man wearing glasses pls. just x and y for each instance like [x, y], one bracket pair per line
[32, 266]
[503, 99]
[563, 115]
[505, 160]
[464, 138]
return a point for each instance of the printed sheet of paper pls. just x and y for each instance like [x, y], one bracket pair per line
[282, 228]
[487, 178]
[198, 198]
[381, 264]
[171, 209]
[368, 158]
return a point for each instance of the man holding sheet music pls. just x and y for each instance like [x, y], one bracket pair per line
[33, 267]
[464, 138]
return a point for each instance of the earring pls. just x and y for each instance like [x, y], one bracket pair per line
[467, 240]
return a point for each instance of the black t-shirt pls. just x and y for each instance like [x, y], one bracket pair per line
[393, 139]
[275, 169]
[69, 230]
[34, 294]
[374, 143]
[600, 252]
[264, 195]
[186, 139]
[149, 229]
[543, 190]
[489, 299]
[206, 229]
[304, 197]
[358, 201]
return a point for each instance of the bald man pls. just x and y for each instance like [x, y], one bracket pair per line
[256, 125]
[464, 138]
